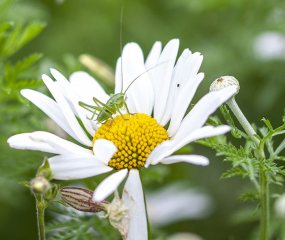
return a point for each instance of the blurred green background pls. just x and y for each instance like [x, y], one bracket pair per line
[225, 32]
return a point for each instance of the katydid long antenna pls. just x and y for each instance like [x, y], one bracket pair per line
[144, 73]
[121, 46]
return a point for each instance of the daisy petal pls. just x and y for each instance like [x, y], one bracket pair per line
[104, 150]
[202, 110]
[150, 64]
[119, 88]
[182, 102]
[153, 55]
[23, 141]
[109, 185]
[118, 77]
[134, 70]
[87, 88]
[169, 147]
[204, 132]
[72, 97]
[133, 190]
[193, 159]
[66, 110]
[159, 153]
[175, 80]
[67, 167]
[50, 108]
[163, 74]
[62, 146]
[186, 68]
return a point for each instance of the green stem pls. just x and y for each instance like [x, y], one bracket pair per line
[259, 153]
[242, 120]
[264, 202]
[41, 221]
[146, 213]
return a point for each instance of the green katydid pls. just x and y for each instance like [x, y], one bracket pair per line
[105, 111]
[116, 101]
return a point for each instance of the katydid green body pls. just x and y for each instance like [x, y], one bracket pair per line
[106, 111]
[113, 105]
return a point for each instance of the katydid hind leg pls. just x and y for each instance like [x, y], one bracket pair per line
[110, 109]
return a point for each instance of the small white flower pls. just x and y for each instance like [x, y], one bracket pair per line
[270, 46]
[166, 91]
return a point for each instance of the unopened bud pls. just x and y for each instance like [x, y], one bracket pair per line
[223, 82]
[228, 81]
[81, 199]
[98, 67]
[40, 185]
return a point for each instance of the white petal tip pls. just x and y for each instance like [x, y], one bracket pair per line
[24, 91]
[109, 185]
[226, 128]
[45, 77]
[205, 162]
[96, 198]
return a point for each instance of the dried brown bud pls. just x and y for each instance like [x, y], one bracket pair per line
[81, 199]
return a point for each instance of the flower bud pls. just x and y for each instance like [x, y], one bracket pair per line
[98, 67]
[81, 199]
[223, 82]
[40, 185]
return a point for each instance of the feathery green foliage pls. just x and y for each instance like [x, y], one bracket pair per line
[75, 225]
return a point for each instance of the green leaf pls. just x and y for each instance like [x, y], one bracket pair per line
[32, 30]
[269, 142]
[76, 226]
[17, 36]
[214, 121]
[234, 130]
[256, 209]
[27, 62]
[227, 116]
[239, 157]
[271, 167]
[5, 26]
[26, 184]
[280, 148]
[213, 141]
[278, 133]
[45, 171]
[232, 173]
[248, 196]
[268, 124]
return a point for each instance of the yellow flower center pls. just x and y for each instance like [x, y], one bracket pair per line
[135, 138]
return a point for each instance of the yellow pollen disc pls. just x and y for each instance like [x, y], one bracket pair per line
[135, 138]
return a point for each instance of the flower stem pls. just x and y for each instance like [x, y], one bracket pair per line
[40, 220]
[264, 202]
[146, 213]
[242, 120]
[259, 153]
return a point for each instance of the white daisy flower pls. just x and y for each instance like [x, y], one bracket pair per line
[157, 97]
